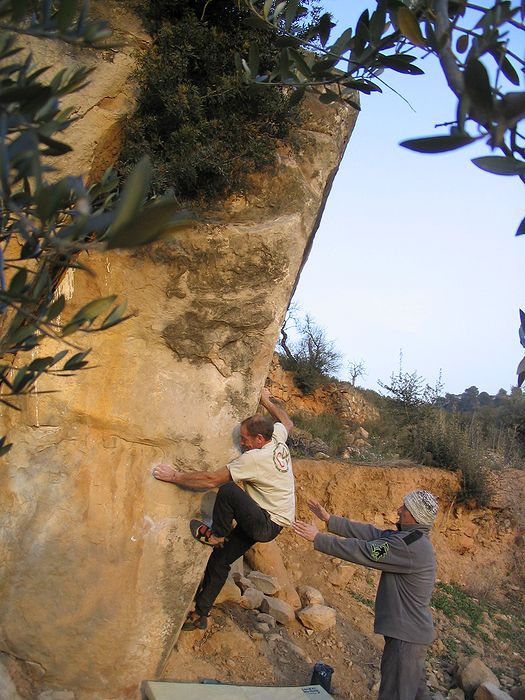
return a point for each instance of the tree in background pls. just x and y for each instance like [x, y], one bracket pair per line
[312, 357]
[409, 391]
[48, 220]
[356, 370]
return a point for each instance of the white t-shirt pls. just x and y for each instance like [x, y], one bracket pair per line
[268, 478]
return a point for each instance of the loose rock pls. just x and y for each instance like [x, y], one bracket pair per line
[490, 691]
[7, 687]
[242, 581]
[230, 592]
[456, 694]
[317, 617]
[310, 596]
[251, 599]
[278, 609]
[269, 585]
[341, 574]
[264, 617]
[472, 673]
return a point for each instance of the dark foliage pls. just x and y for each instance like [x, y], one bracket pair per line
[203, 127]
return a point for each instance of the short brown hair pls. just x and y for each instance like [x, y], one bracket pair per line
[259, 425]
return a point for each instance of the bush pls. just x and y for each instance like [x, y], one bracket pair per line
[305, 376]
[324, 426]
[439, 439]
[203, 128]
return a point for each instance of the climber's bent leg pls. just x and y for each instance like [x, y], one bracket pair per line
[232, 503]
[218, 568]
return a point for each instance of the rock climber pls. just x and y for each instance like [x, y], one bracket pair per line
[261, 509]
[407, 563]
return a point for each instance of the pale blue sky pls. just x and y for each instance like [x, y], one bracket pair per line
[417, 252]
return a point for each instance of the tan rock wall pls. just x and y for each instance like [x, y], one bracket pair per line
[97, 565]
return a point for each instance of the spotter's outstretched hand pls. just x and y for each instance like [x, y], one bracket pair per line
[306, 530]
[318, 510]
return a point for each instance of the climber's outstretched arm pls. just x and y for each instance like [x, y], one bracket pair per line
[191, 480]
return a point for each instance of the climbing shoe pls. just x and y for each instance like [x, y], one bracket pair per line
[202, 533]
[195, 622]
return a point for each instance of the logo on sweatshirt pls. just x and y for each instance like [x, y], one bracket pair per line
[378, 551]
[281, 457]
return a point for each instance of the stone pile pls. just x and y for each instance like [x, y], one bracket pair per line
[473, 680]
[356, 442]
[257, 591]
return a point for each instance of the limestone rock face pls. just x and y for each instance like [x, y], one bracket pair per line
[98, 568]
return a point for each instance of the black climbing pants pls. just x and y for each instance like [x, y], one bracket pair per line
[253, 525]
[403, 671]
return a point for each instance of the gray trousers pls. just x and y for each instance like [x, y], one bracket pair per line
[403, 671]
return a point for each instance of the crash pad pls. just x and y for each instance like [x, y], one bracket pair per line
[166, 690]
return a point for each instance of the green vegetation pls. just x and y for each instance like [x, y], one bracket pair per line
[477, 46]
[324, 426]
[205, 130]
[478, 619]
[397, 36]
[361, 599]
[471, 433]
[455, 603]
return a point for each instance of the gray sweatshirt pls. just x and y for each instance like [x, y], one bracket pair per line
[407, 562]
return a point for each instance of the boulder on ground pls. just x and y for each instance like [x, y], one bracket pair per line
[310, 596]
[267, 558]
[251, 598]
[230, 592]
[317, 617]
[242, 581]
[268, 619]
[341, 574]
[456, 694]
[472, 672]
[269, 585]
[278, 609]
[490, 691]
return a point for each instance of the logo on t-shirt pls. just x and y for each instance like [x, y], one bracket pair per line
[281, 457]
